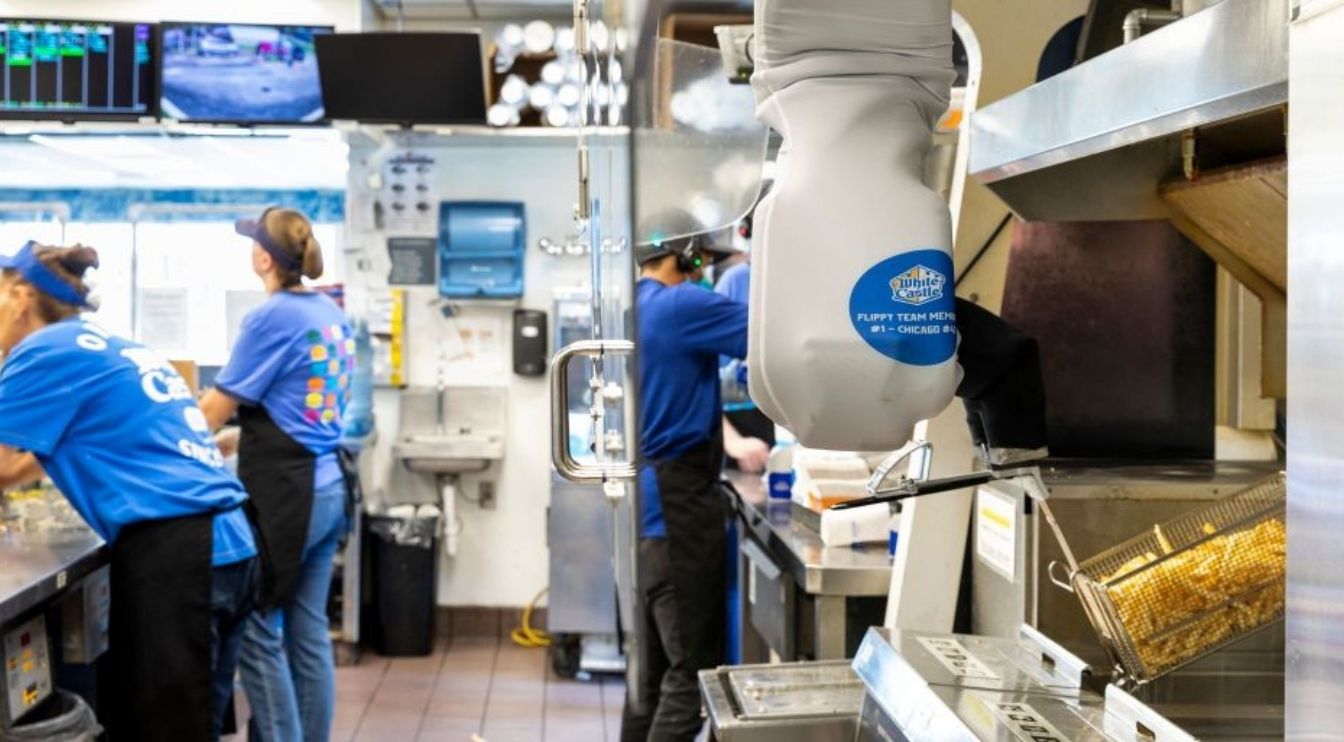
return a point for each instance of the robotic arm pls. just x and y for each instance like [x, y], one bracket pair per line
[853, 334]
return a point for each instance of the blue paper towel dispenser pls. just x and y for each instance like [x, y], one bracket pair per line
[481, 248]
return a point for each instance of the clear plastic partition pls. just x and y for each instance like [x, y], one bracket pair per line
[699, 151]
[667, 147]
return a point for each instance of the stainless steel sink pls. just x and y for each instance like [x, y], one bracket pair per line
[448, 453]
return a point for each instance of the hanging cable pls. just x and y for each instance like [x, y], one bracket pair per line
[984, 248]
[525, 635]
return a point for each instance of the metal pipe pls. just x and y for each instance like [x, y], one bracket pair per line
[1137, 19]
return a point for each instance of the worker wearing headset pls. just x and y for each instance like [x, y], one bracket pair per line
[681, 330]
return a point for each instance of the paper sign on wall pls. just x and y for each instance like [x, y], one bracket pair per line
[996, 531]
[162, 319]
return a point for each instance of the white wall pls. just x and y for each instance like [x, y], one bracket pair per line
[346, 15]
[502, 558]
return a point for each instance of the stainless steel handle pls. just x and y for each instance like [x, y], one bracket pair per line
[883, 470]
[564, 462]
[1052, 571]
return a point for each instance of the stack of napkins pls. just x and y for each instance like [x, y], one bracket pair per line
[824, 478]
[863, 525]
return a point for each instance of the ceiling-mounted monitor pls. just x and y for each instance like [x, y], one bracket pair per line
[74, 70]
[403, 78]
[240, 73]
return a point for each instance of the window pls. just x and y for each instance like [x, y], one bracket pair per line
[14, 235]
[194, 282]
[111, 281]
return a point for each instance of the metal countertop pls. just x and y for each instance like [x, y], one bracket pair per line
[33, 570]
[862, 570]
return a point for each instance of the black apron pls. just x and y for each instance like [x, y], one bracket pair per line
[278, 473]
[157, 678]
[695, 515]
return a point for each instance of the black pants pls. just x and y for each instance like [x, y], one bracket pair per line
[672, 653]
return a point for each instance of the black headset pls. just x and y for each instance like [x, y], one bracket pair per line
[689, 257]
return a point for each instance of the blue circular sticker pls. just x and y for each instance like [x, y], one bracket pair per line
[904, 308]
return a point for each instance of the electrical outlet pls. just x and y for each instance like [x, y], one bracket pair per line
[486, 492]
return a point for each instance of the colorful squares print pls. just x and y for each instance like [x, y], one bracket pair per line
[331, 353]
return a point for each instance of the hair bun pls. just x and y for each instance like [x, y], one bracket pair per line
[312, 258]
[78, 259]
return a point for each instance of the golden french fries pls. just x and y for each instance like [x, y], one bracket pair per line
[1195, 599]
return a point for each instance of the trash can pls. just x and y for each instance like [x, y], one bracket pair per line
[64, 717]
[402, 571]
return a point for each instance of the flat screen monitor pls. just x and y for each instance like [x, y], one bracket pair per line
[75, 70]
[240, 73]
[403, 78]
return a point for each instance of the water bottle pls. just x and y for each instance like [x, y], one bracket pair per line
[779, 467]
[733, 387]
[851, 357]
[359, 413]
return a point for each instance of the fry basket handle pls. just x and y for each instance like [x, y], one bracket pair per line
[1053, 572]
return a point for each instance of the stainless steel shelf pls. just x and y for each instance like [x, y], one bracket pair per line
[1104, 132]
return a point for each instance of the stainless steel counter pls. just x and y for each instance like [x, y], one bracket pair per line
[863, 570]
[34, 570]
[800, 597]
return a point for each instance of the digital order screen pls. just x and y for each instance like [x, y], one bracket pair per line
[73, 68]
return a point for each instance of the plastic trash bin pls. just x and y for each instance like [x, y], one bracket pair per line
[402, 572]
[64, 717]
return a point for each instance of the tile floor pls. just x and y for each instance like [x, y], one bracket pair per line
[471, 685]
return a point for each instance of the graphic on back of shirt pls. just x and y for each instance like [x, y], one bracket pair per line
[117, 429]
[295, 357]
[331, 351]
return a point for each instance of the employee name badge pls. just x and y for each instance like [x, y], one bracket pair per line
[958, 660]
[904, 308]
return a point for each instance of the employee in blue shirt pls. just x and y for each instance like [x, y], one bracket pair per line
[682, 329]
[117, 430]
[288, 379]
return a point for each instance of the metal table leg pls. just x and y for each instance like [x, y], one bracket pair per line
[830, 626]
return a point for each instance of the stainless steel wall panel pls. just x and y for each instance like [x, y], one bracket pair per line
[1315, 625]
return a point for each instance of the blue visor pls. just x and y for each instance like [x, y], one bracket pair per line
[256, 229]
[25, 262]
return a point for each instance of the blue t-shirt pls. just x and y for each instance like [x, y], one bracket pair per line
[118, 431]
[295, 356]
[735, 283]
[682, 330]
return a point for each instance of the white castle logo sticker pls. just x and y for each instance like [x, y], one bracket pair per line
[917, 286]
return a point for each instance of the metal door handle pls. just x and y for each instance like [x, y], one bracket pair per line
[564, 461]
